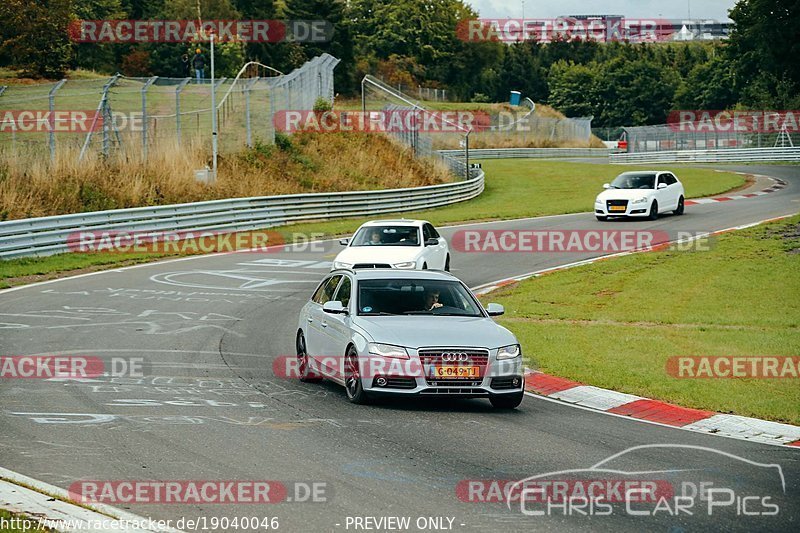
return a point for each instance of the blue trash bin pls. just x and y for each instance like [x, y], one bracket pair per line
[516, 97]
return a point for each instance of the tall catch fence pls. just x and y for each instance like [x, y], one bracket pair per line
[133, 117]
[675, 137]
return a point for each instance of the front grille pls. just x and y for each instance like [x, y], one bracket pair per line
[611, 203]
[473, 357]
[371, 265]
[459, 391]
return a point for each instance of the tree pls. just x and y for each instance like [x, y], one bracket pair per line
[34, 36]
[573, 89]
[764, 49]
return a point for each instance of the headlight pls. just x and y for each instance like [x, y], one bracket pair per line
[509, 352]
[598, 201]
[641, 200]
[388, 350]
[339, 264]
[408, 264]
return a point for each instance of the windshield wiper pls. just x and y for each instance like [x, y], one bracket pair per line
[382, 313]
[418, 313]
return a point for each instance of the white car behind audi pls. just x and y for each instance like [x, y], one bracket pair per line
[640, 194]
[405, 244]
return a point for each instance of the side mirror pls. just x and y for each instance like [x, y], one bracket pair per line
[432, 242]
[662, 186]
[334, 308]
[606, 185]
[344, 242]
[495, 309]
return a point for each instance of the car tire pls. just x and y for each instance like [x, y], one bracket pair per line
[352, 379]
[601, 218]
[681, 207]
[303, 368]
[653, 211]
[507, 401]
[447, 264]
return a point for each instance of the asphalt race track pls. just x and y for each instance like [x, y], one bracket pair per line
[211, 408]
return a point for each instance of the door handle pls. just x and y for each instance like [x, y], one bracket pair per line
[310, 320]
[324, 324]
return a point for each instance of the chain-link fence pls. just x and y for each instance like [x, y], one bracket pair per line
[671, 137]
[134, 116]
[377, 96]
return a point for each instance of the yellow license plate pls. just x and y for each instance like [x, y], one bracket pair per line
[617, 208]
[457, 372]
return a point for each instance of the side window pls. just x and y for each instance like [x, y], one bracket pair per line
[326, 290]
[671, 179]
[343, 294]
[426, 232]
[434, 233]
[318, 293]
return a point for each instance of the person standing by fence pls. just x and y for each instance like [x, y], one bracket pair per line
[199, 65]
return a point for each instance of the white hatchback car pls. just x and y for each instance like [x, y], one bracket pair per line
[406, 244]
[640, 194]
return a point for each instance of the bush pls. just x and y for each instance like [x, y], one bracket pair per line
[481, 98]
[322, 105]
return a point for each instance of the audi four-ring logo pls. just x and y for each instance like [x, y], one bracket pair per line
[453, 357]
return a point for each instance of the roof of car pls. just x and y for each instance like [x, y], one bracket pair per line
[400, 221]
[637, 172]
[394, 273]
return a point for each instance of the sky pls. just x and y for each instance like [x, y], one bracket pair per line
[669, 9]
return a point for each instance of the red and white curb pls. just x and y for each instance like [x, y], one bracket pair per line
[629, 405]
[645, 409]
[778, 185]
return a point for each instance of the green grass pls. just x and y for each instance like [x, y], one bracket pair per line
[32, 524]
[547, 188]
[614, 324]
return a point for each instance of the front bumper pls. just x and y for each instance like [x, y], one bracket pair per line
[413, 377]
[606, 209]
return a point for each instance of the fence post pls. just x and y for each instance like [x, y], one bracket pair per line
[147, 84]
[100, 107]
[246, 90]
[51, 97]
[178, 90]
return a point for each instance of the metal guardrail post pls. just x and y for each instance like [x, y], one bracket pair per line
[178, 90]
[3, 89]
[246, 90]
[51, 99]
[147, 84]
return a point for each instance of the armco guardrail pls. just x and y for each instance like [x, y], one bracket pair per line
[735, 155]
[48, 235]
[528, 153]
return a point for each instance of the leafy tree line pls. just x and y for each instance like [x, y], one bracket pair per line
[414, 42]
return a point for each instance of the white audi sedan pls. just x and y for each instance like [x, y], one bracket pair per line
[405, 244]
[640, 194]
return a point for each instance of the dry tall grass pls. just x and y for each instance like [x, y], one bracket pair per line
[31, 187]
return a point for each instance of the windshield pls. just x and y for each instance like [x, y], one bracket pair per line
[634, 181]
[415, 297]
[387, 236]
